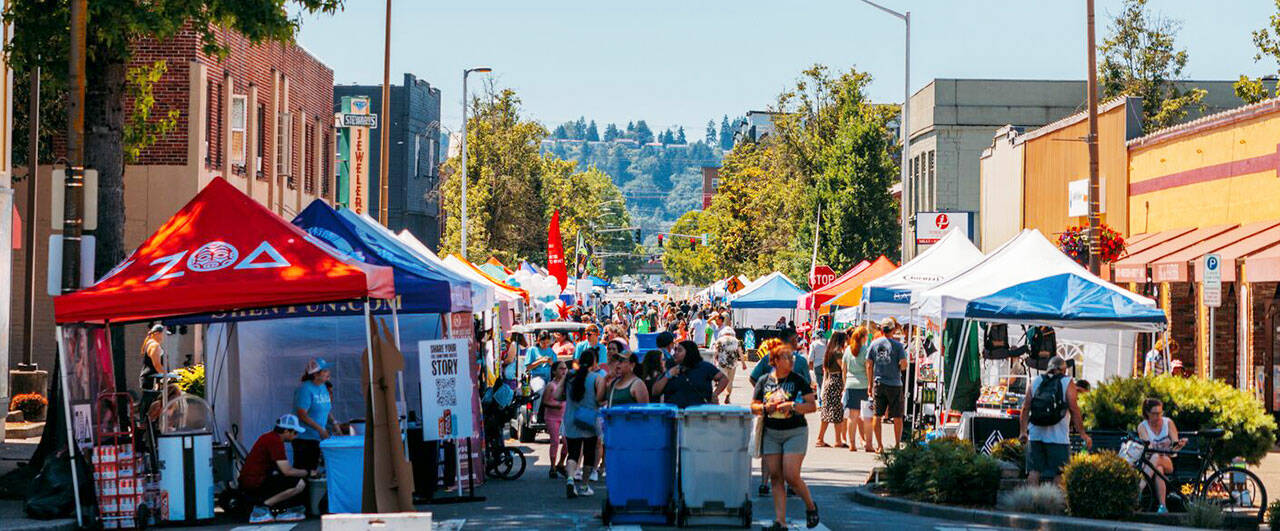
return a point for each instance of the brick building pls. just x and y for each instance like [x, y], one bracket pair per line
[261, 116]
[415, 155]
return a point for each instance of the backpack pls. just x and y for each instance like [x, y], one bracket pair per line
[996, 343]
[1048, 404]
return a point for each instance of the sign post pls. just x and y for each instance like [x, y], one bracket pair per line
[1212, 298]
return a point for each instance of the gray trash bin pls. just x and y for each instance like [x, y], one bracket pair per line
[715, 467]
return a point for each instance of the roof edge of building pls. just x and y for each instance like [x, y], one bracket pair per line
[1204, 123]
[1073, 119]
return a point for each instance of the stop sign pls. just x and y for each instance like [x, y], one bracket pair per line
[820, 276]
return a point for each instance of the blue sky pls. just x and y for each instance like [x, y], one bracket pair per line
[682, 62]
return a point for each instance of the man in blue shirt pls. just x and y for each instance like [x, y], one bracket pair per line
[592, 341]
[888, 359]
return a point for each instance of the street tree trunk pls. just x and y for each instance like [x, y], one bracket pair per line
[104, 151]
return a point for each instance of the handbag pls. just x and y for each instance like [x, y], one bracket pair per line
[757, 436]
[584, 418]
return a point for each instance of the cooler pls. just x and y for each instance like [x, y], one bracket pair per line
[639, 442]
[715, 467]
[344, 467]
[645, 343]
[184, 451]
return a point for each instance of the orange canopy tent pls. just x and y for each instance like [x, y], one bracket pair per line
[493, 260]
[815, 298]
[851, 289]
[524, 294]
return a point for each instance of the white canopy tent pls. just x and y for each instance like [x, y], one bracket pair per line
[890, 295]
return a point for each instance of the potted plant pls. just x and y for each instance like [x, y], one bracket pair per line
[1074, 242]
[32, 406]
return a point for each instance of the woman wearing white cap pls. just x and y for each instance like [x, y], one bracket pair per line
[314, 407]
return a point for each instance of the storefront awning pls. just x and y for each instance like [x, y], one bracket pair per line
[1133, 268]
[1176, 267]
[1245, 247]
[1263, 266]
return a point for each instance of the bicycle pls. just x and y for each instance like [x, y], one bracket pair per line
[1196, 477]
[502, 461]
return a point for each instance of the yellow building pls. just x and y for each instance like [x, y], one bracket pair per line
[1210, 186]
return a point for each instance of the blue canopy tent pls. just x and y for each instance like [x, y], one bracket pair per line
[761, 303]
[1060, 300]
[598, 282]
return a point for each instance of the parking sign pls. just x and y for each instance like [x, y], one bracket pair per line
[1212, 280]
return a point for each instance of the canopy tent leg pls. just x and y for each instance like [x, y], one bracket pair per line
[71, 437]
[368, 341]
[404, 424]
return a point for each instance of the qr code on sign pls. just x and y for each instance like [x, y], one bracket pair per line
[446, 393]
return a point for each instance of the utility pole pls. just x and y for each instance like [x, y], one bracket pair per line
[33, 202]
[1095, 247]
[72, 220]
[384, 144]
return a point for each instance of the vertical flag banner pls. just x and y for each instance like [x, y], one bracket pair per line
[555, 252]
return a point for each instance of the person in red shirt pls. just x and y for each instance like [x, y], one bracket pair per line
[268, 477]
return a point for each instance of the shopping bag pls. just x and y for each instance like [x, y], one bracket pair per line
[757, 435]
[868, 410]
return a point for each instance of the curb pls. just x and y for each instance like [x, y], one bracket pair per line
[24, 524]
[863, 496]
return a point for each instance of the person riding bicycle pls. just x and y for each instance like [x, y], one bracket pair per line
[1160, 433]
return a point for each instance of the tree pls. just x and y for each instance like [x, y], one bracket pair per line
[643, 134]
[726, 134]
[712, 136]
[680, 138]
[44, 41]
[611, 133]
[560, 133]
[1140, 58]
[1267, 41]
[689, 265]
[593, 135]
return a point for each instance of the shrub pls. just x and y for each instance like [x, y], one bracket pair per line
[1011, 451]
[1204, 515]
[1273, 515]
[1100, 485]
[30, 404]
[1193, 404]
[1045, 498]
[191, 380]
[946, 470]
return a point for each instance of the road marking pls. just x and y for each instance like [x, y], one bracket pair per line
[792, 525]
[449, 525]
[283, 526]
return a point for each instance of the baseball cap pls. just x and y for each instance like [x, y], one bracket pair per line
[289, 421]
[888, 322]
[317, 365]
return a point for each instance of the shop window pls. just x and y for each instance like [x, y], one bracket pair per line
[239, 122]
[284, 148]
[309, 162]
[261, 148]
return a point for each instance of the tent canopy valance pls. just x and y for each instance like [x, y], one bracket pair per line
[505, 291]
[774, 290]
[1029, 281]
[223, 252]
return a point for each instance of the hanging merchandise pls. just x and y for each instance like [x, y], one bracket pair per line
[965, 383]
[995, 344]
[1042, 344]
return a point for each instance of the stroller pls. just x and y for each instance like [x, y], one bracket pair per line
[500, 405]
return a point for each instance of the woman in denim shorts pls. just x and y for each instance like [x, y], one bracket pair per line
[783, 397]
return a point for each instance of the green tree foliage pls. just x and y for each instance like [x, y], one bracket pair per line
[1267, 41]
[690, 264]
[726, 134]
[712, 135]
[593, 134]
[680, 138]
[611, 133]
[142, 129]
[1140, 58]
[513, 190]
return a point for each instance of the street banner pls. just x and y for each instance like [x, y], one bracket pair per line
[555, 252]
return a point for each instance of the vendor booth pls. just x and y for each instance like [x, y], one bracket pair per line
[810, 301]
[760, 304]
[849, 292]
[1034, 291]
[890, 295]
[227, 258]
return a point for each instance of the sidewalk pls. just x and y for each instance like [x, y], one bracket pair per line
[12, 517]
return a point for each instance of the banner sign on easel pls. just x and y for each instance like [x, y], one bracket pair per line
[445, 376]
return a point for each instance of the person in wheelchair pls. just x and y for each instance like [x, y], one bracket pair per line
[269, 480]
[1160, 433]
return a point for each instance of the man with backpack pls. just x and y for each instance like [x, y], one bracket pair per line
[1048, 413]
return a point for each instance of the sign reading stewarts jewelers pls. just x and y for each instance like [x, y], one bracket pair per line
[353, 152]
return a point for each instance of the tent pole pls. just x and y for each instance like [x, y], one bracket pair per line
[404, 424]
[955, 367]
[71, 436]
[368, 338]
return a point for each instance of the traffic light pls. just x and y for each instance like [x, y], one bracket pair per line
[638, 237]
[659, 241]
[693, 242]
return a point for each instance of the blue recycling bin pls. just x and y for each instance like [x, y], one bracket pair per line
[344, 465]
[640, 456]
[646, 342]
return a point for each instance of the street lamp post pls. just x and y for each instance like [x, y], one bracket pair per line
[465, 73]
[903, 127]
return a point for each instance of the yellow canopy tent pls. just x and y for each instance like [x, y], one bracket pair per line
[852, 294]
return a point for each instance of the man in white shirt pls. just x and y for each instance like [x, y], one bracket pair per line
[698, 329]
[817, 350]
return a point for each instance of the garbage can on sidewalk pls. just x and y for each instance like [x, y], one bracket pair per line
[640, 455]
[715, 467]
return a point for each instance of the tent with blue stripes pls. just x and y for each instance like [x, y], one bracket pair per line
[774, 290]
[1029, 281]
[890, 295]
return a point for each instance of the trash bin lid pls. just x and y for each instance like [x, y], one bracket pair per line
[657, 410]
[343, 441]
[717, 410]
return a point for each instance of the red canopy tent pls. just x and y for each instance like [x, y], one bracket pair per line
[223, 251]
[815, 298]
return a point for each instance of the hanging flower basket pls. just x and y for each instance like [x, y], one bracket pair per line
[1074, 242]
